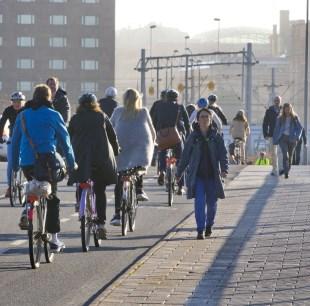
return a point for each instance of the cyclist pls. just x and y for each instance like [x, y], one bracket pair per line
[60, 100]
[136, 135]
[108, 104]
[240, 129]
[44, 127]
[10, 113]
[216, 108]
[205, 156]
[166, 116]
[95, 146]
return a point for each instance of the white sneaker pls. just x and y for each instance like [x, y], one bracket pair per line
[56, 245]
[142, 196]
[116, 220]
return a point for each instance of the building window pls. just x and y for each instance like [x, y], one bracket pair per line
[1, 18]
[58, 1]
[89, 65]
[25, 41]
[24, 85]
[90, 20]
[0, 63]
[58, 42]
[90, 42]
[57, 64]
[58, 19]
[62, 84]
[25, 63]
[0, 85]
[25, 19]
[89, 86]
[1, 41]
[90, 1]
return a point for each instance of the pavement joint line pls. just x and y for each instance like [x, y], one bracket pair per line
[18, 242]
[2, 251]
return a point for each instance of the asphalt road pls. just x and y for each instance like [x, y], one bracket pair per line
[76, 278]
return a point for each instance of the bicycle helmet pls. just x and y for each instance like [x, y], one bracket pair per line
[202, 103]
[111, 92]
[163, 93]
[61, 169]
[212, 98]
[18, 96]
[87, 98]
[172, 95]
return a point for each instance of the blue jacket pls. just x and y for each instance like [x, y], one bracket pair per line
[295, 130]
[191, 158]
[45, 127]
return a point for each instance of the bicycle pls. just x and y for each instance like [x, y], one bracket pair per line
[87, 214]
[237, 143]
[170, 175]
[130, 203]
[17, 188]
[38, 238]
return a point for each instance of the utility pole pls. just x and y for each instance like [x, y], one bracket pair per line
[157, 78]
[306, 84]
[186, 79]
[143, 70]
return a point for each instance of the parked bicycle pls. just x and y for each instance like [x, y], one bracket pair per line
[170, 175]
[17, 188]
[36, 208]
[86, 200]
[129, 206]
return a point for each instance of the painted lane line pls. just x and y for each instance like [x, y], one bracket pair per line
[75, 215]
[18, 242]
[2, 251]
[64, 220]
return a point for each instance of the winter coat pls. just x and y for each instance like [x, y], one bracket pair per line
[45, 127]
[95, 146]
[136, 136]
[108, 105]
[191, 158]
[239, 129]
[269, 121]
[61, 104]
[9, 114]
[219, 112]
[295, 130]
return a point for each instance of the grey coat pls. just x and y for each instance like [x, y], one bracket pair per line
[136, 136]
[191, 158]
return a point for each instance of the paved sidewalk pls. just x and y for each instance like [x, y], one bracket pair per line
[258, 253]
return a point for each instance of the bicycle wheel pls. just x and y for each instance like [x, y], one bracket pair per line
[49, 256]
[21, 187]
[13, 189]
[133, 208]
[170, 184]
[34, 236]
[86, 223]
[124, 217]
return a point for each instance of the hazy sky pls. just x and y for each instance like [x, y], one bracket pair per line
[197, 16]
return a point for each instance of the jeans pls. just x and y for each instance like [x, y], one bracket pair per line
[177, 151]
[205, 194]
[296, 155]
[9, 164]
[275, 157]
[287, 148]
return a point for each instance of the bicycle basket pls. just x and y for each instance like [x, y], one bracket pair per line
[38, 188]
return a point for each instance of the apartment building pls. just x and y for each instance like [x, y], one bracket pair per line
[71, 39]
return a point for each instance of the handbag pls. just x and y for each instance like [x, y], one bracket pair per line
[48, 167]
[168, 137]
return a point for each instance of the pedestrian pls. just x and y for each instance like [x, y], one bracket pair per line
[240, 129]
[36, 132]
[60, 100]
[269, 123]
[262, 160]
[136, 136]
[205, 158]
[296, 155]
[9, 114]
[287, 133]
[95, 146]
[108, 103]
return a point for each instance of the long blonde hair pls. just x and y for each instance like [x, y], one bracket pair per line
[293, 115]
[132, 102]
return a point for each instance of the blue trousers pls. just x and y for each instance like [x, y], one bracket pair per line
[9, 164]
[205, 194]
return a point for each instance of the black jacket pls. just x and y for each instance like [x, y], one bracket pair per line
[9, 114]
[166, 116]
[153, 111]
[269, 121]
[95, 146]
[61, 104]
[107, 105]
[219, 112]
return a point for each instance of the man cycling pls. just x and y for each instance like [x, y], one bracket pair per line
[10, 113]
[43, 127]
[168, 114]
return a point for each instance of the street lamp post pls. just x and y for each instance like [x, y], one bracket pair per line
[306, 83]
[171, 68]
[185, 39]
[152, 27]
[218, 33]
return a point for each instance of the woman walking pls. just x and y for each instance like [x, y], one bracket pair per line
[95, 145]
[205, 158]
[136, 135]
[287, 133]
[240, 129]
